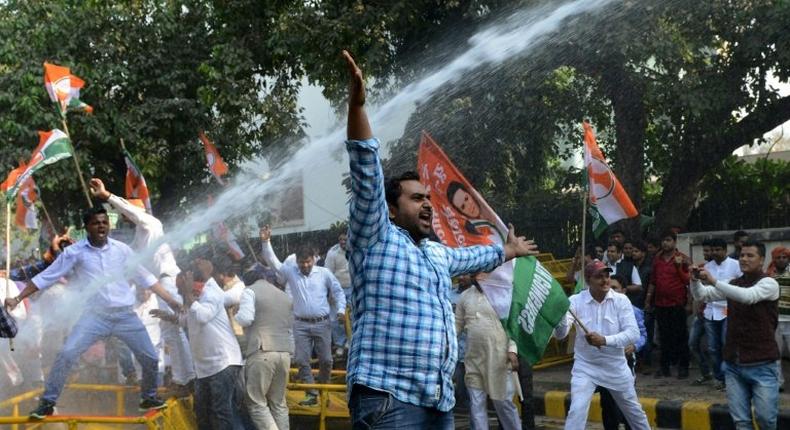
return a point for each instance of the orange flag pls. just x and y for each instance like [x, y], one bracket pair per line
[215, 164]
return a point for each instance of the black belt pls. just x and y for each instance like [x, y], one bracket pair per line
[313, 320]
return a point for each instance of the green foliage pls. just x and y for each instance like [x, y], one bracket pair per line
[739, 195]
[157, 73]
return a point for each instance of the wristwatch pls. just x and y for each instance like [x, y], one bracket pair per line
[16, 300]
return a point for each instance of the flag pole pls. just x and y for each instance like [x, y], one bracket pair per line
[46, 214]
[77, 164]
[8, 253]
[584, 224]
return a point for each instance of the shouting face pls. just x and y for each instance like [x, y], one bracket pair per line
[414, 211]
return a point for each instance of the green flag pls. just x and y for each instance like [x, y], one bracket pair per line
[539, 303]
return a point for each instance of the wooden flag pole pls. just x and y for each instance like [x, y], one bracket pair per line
[584, 226]
[77, 164]
[46, 214]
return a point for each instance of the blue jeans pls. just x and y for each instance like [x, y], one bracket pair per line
[373, 409]
[695, 344]
[216, 398]
[756, 386]
[95, 325]
[716, 332]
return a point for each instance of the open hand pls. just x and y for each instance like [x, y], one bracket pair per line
[356, 93]
[518, 246]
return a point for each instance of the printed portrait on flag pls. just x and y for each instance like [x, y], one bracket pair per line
[463, 218]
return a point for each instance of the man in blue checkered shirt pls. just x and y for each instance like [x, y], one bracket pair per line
[403, 345]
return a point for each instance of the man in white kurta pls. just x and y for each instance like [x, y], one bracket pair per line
[599, 358]
[490, 359]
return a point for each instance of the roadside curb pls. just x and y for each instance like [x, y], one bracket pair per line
[671, 414]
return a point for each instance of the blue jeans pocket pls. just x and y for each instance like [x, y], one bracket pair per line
[369, 406]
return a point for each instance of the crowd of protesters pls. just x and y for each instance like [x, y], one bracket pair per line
[227, 330]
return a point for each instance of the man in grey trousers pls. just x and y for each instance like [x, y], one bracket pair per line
[266, 313]
[310, 288]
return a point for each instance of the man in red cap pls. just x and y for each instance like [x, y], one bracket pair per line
[605, 326]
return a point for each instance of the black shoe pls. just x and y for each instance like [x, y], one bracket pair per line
[660, 373]
[45, 408]
[683, 373]
[149, 403]
[702, 379]
[309, 400]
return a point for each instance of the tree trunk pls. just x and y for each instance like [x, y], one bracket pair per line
[679, 194]
[627, 98]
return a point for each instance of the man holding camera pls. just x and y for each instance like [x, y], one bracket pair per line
[750, 350]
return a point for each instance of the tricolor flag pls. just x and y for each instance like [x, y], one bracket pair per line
[26, 215]
[53, 146]
[527, 299]
[136, 187]
[609, 202]
[217, 167]
[10, 180]
[64, 89]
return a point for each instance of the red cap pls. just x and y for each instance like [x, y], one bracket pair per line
[594, 267]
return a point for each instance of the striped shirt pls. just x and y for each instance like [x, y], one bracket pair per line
[403, 325]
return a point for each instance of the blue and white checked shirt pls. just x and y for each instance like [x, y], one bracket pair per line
[403, 325]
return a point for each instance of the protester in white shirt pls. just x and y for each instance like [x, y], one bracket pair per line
[724, 269]
[599, 357]
[310, 287]
[13, 375]
[214, 348]
[226, 273]
[99, 263]
[147, 232]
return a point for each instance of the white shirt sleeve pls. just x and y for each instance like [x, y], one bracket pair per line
[629, 330]
[267, 252]
[564, 327]
[233, 295]
[58, 269]
[635, 278]
[207, 307]
[137, 215]
[765, 289]
[337, 292]
[246, 313]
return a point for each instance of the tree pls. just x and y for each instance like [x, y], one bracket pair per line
[157, 73]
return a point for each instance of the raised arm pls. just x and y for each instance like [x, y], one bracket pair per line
[765, 289]
[267, 252]
[369, 217]
[136, 215]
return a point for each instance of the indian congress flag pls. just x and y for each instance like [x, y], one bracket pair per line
[53, 146]
[609, 202]
[463, 218]
[539, 303]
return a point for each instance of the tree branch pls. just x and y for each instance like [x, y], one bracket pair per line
[757, 123]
